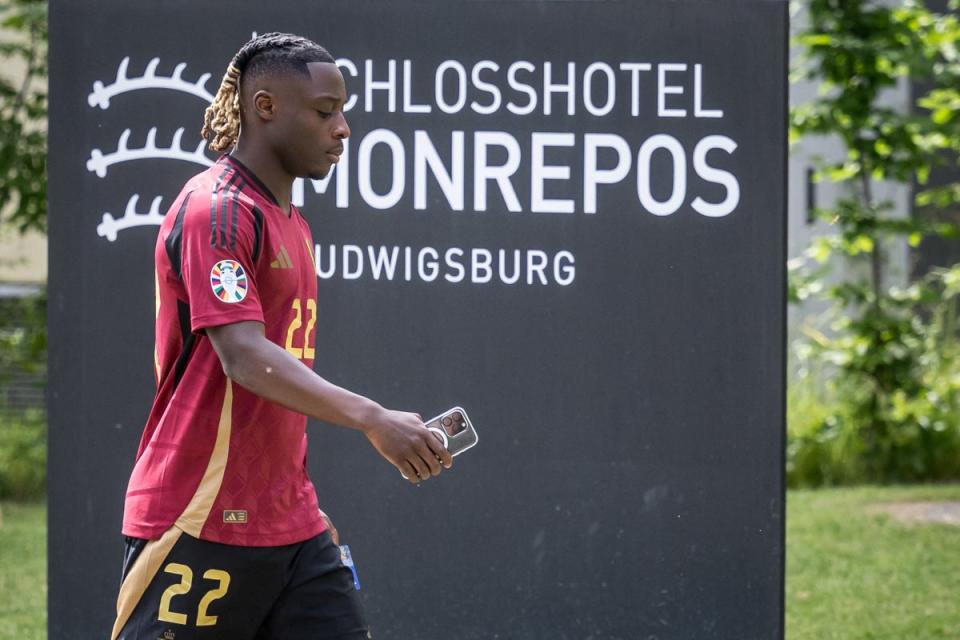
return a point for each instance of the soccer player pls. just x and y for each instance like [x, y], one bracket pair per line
[224, 537]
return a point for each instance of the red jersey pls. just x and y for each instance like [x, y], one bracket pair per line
[216, 460]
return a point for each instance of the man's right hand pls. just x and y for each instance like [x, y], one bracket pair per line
[406, 443]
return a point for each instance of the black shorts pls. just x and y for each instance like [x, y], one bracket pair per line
[180, 588]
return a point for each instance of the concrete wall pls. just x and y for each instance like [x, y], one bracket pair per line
[23, 260]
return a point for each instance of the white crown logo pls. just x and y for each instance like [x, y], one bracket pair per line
[100, 96]
[110, 226]
[99, 162]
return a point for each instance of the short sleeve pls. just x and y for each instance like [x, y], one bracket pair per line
[219, 241]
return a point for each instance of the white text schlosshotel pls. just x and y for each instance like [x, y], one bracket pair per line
[474, 265]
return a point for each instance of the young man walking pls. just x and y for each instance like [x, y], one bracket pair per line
[224, 537]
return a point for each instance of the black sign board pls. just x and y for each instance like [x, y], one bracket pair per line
[567, 217]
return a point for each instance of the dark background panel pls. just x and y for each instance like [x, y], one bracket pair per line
[628, 480]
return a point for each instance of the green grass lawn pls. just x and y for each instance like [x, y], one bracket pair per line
[851, 574]
[23, 571]
[855, 575]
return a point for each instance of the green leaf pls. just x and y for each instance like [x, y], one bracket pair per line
[820, 251]
[843, 172]
[815, 40]
[942, 115]
[860, 244]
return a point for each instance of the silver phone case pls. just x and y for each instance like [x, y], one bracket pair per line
[459, 433]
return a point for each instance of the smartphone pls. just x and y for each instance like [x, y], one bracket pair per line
[454, 429]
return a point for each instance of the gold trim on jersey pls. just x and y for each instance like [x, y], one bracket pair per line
[140, 576]
[193, 518]
[191, 521]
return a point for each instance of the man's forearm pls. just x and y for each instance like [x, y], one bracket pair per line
[267, 370]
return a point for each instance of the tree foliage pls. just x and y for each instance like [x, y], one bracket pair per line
[891, 347]
[23, 114]
[23, 336]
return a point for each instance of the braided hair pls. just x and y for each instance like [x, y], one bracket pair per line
[269, 53]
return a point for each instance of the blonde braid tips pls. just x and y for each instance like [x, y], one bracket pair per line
[221, 120]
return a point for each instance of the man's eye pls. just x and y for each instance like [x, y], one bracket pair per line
[325, 114]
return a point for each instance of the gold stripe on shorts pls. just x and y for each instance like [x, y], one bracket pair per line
[191, 521]
[140, 576]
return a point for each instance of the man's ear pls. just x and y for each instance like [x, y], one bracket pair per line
[263, 105]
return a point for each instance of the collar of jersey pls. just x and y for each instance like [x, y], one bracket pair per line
[250, 176]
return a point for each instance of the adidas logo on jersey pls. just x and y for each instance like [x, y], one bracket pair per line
[282, 261]
[235, 517]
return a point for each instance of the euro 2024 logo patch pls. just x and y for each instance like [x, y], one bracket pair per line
[229, 281]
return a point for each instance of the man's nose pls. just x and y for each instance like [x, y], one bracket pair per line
[341, 128]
